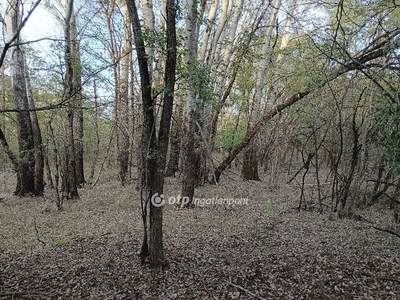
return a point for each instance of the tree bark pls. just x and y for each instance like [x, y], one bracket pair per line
[250, 159]
[156, 213]
[69, 185]
[77, 103]
[212, 122]
[123, 107]
[8, 151]
[175, 144]
[26, 146]
[190, 140]
[191, 157]
[250, 163]
[37, 138]
[212, 13]
[149, 27]
[147, 139]
[153, 150]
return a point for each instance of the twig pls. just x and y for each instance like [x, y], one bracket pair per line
[391, 198]
[387, 230]
[37, 232]
[244, 290]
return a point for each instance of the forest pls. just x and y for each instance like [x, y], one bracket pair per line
[210, 149]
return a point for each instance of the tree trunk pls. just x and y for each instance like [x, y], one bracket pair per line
[250, 163]
[212, 122]
[133, 118]
[8, 151]
[147, 139]
[149, 26]
[153, 151]
[78, 146]
[355, 64]
[96, 130]
[69, 185]
[190, 168]
[26, 169]
[123, 107]
[251, 133]
[274, 90]
[212, 13]
[250, 159]
[156, 213]
[175, 144]
[190, 141]
[37, 139]
[26, 160]
[77, 107]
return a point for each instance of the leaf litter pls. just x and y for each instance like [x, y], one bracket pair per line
[253, 251]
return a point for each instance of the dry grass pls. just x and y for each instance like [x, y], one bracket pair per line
[30, 224]
[27, 224]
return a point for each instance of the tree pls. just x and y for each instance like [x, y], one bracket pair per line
[123, 105]
[154, 147]
[120, 54]
[359, 62]
[191, 122]
[69, 184]
[175, 142]
[250, 157]
[37, 138]
[77, 101]
[30, 160]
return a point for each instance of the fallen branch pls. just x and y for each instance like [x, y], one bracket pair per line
[244, 290]
[255, 129]
[391, 198]
[387, 230]
[37, 233]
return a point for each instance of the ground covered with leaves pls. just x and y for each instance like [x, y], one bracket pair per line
[265, 249]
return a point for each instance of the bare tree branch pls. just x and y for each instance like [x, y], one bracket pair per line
[356, 63]
[17, 34]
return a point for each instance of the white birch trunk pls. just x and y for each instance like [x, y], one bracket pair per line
[212, 13]
[149, 26]
[250, 158]
[191, 46]
[229, 49]
[123, 106]
[284, 43]
[192, 113]
[219, 35]
[259, 93]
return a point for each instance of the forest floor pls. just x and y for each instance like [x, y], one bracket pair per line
[265, 249]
